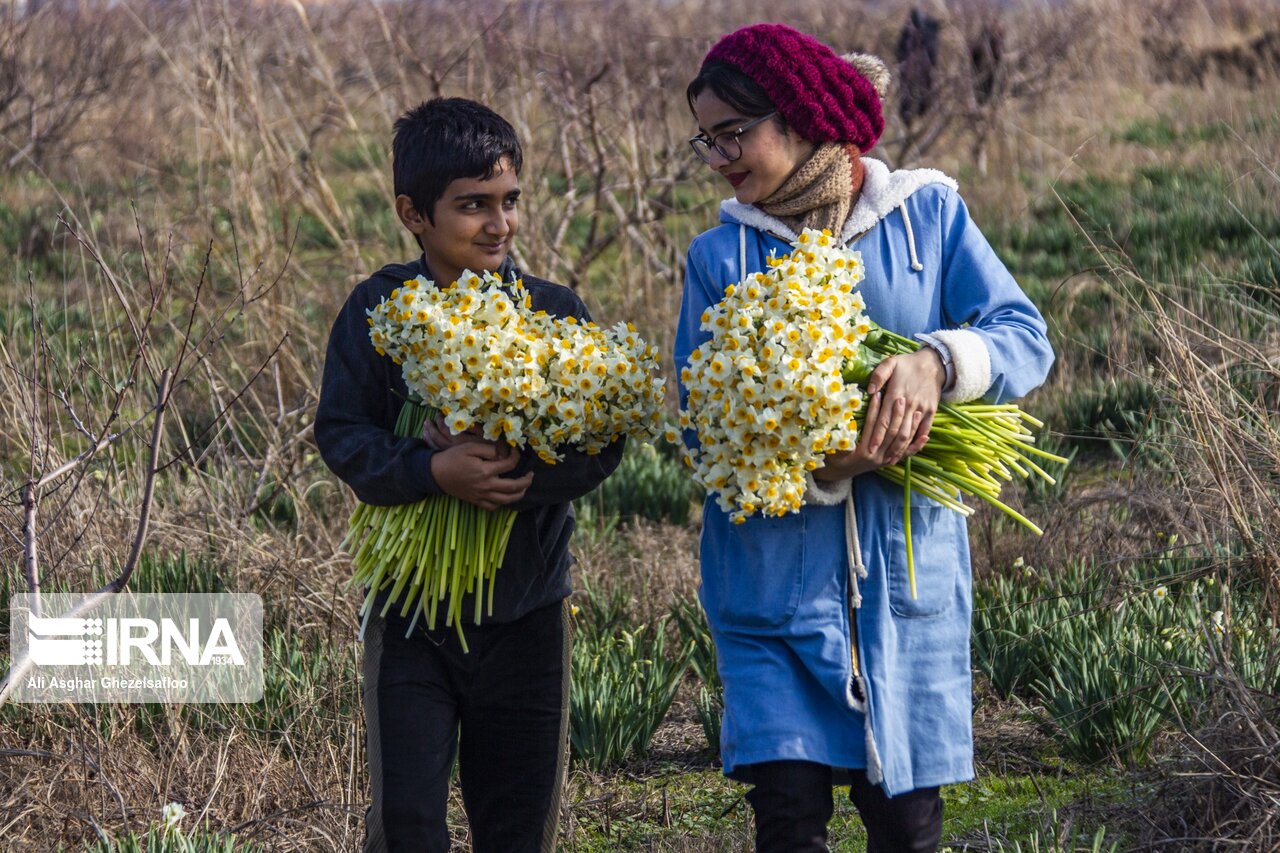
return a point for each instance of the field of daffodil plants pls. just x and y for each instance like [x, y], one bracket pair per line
[178, 228]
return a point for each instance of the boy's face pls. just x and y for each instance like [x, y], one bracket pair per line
[475, 222]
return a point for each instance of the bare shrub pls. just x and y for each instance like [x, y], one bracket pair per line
[56, 65]
[989, 64]
[91, 424]
[1225, 791]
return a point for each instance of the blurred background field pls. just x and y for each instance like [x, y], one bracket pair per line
[189, 191]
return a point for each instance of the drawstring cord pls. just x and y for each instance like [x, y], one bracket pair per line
[856, 568]
[911, 238]
[857, 571]
[856, 691]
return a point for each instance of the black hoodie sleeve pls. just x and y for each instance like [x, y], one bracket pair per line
[361, 394]
[578, 474]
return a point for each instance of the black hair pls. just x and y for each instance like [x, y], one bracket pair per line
[444, 139]
[735, 89]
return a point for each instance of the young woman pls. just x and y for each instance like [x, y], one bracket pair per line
[832, 671]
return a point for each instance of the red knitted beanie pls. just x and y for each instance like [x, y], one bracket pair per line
[819, 94]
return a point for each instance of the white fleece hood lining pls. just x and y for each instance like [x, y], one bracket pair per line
[882, 192]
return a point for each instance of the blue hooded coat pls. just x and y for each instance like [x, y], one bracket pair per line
[781, 593]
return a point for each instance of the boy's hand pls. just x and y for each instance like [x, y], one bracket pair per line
[438, 436]
[472, 471]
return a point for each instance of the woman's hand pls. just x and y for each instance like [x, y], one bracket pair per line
[904, 392]
[912, 389]
[844, 464]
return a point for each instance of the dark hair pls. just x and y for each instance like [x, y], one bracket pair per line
[735, 89]
[444, 139]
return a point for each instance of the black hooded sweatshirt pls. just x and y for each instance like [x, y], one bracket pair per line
[361, 394]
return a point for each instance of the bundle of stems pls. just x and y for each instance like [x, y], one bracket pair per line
[973, 448]
[440, 549]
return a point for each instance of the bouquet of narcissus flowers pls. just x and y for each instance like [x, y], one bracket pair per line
[766, 394]
[776, 388]
[476, 354]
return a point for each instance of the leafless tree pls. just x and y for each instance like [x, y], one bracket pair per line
[57, 63]
[48, 390]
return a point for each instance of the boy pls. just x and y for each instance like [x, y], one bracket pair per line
[502, 708]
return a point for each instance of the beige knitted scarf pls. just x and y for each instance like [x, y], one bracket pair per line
[821, 192]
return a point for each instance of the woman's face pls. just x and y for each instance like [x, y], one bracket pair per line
[769, 155]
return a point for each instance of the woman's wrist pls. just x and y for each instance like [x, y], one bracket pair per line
[935, 362]
[842, 466]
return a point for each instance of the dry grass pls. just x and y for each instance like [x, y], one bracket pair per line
[256, 135]
[653, 563]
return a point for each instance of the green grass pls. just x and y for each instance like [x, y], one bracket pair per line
[311, 690]
[1107, 416]
[175, 573]
[1010, 809]
[361, 155]
[1162, 132]
[623, 684]
[650, 482]
[687, 613]
[703, 807]
[1109, 653]
[159, 841]
[1171, 132]
[1169, 223]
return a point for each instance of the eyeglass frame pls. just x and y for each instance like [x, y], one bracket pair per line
[735, 135]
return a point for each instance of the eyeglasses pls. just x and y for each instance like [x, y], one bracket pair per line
[727, 143]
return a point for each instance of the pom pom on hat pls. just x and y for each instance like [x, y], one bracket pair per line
[824, 97]
[874, 69]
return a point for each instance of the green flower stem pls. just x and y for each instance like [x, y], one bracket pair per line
[438, 549]
[481, 530]
[928, 488]
[973, 448]
[906, 527]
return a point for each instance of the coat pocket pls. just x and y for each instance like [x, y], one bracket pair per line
[759, 570]
[935, 538]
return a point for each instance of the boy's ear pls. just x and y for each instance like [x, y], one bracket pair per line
[409, 215]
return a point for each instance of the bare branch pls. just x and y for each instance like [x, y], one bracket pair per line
[75, 419]
[91, 602]
[149, 485]
[226, 407]
[139, 338]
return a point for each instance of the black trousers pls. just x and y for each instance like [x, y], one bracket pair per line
[500, 709]
[792, 803]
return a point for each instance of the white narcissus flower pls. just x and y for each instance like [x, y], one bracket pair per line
[1218, 624]
[478, 353]
[765, 393]
[172, 814]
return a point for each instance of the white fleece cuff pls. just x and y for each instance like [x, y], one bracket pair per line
[820, 493]
[971, 361]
